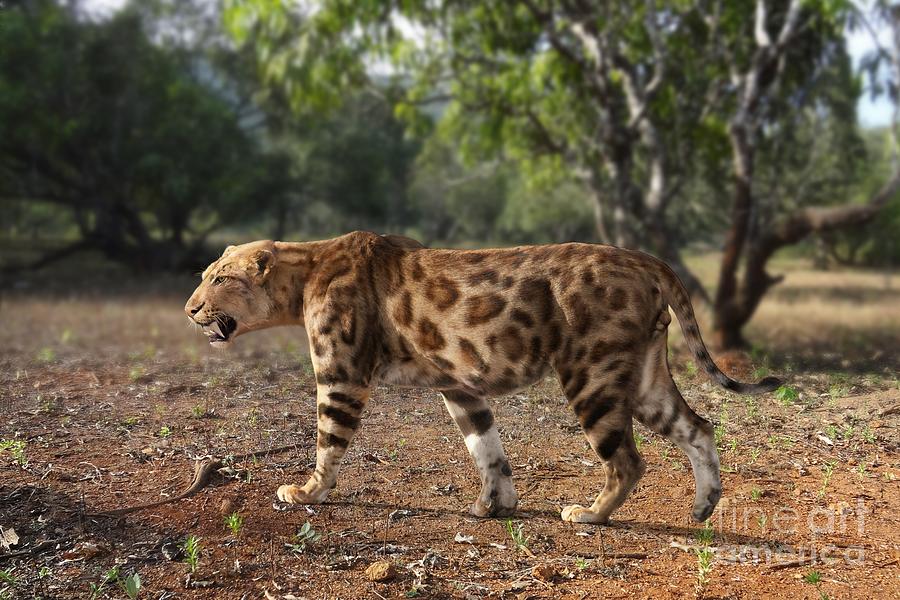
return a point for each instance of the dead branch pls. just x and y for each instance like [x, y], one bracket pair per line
[203, 470]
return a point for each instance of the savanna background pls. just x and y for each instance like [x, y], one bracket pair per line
[752, 144]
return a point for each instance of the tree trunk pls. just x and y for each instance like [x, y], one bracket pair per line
[735, 311]
[727, 318]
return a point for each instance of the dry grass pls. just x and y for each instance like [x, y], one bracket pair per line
[828, 320]
[95, 330]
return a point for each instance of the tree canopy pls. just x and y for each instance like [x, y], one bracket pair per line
[96, 119]
[640, 103]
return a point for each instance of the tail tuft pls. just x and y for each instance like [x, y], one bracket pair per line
[769, 384]
[766, 385]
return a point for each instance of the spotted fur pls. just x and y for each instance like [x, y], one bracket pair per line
[476, 324]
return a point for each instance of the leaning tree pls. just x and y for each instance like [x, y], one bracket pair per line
[635, 99]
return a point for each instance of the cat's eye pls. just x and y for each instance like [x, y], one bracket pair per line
[219, 280]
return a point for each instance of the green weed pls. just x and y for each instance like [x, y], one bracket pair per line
[16, 449]
[786, 395]
[304, 537]
[754, 454]
[638, 439]
[867, 435]
[46, 354]
[516, 531]
[828, 470]
[704, 567]
[706, 534]
[192, 549]
[815, 578]
[98, 588]
[234, 522]
[131, 585]
[136, 373]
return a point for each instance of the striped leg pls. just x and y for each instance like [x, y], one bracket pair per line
[338, 408]
[662, 408]
[476, 422]
[613, 441]
[597, 393]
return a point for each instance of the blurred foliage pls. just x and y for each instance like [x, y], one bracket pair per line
[122, 135]
[144, 133]
[877, 244]
[524, 106]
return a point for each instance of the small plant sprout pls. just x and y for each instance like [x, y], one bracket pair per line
[755, 494]
[6, 576]
[517, 533]
[638, 439]
[136, 372]
[46, 354]
[164, 431]
[847, 433]
[16, 449]
[705, 535]
[705, 558]
[762, 521]
[198, 411]
[582, 564]
[815, 578]
[719, 434]
[304, 537]
[867, 435]
[192, 549]
[131, 585]
[234, 522]
[760, 372]
[691, 368]
[828, 470]
[754, 454]
[752, 407]
[97, 589]
[787, 395]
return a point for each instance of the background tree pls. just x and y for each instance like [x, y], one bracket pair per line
[633, 100]
[121, 134]
[793, 62]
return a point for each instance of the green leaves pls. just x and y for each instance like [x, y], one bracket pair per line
[142, 140]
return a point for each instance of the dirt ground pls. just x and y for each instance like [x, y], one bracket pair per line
[107, 397]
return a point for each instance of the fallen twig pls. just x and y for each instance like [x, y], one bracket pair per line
[800, 562]
[203, 470]
[28, 551]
